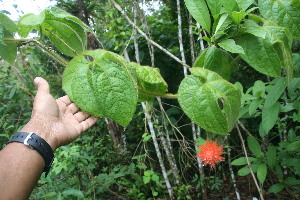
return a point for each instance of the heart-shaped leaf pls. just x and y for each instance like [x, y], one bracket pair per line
[102, 86]
[209, 100]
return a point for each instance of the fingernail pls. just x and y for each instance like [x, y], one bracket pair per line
[37, 80]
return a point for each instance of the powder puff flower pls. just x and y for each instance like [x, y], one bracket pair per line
[210, 153]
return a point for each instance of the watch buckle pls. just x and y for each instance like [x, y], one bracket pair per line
[27, 138]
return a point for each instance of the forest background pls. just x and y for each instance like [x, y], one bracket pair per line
[252, 44]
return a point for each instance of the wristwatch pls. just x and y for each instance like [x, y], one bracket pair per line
[37, 143]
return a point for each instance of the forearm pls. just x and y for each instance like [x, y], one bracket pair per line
[22, 166]
[20, 169]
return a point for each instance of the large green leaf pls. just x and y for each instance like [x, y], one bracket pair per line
[282, 43]
[64, 30]
[102, 87]
[260, 54]
[150, 82]
[209, 100]
[64, 37]
[283, 12]
[217, 60]
[200, 13]
[252, 27]
[59, 13]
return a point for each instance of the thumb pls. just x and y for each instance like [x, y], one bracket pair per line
[42, 85]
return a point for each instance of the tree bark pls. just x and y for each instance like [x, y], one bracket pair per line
[83, 15]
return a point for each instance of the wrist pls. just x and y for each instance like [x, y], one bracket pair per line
[42, 130]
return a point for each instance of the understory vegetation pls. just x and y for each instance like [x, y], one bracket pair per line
[198, 99]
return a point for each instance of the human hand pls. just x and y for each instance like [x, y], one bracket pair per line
[56, 121]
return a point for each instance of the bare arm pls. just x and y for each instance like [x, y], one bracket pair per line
[58, 122]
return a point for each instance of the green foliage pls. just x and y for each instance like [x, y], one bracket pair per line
[209, 100]
[217, 60]
[105, 84]
[8, 49]
[230, 45]
[199, 11]
[101, 87]
[64, 30]
[285, 13]
[262, 56]
[150, 82]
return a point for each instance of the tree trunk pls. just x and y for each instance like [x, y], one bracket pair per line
[83, 15]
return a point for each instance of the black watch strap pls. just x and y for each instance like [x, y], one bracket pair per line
[38, 144]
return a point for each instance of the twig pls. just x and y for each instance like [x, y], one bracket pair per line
[237, 193]
[52, 54]
[117, 6]
[249, 164]
[153, 94]
[158, 153]
[244, 128]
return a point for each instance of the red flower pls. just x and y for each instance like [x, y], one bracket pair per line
[210, 153]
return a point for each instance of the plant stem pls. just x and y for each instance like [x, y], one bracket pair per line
[51, 53]
[237, 193]
[18, 40]
[249, 164]
[169, 144]
[153, 94]
[158, 153]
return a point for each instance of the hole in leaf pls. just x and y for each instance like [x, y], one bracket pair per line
[220, 102]
[91, 66]
[89, 58]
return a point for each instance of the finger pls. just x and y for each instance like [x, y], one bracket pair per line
[72, 108]
[61, 105]
[65, 99]
[42, 85]
[88, 123]
[81, 116]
